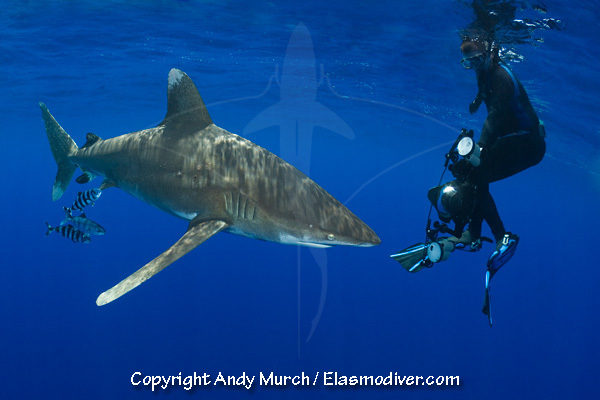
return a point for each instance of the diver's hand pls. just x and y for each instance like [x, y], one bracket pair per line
[474, 106]
[461, 169]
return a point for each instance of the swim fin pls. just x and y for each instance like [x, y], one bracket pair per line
[487, 300]
[413, 258]
[501, 256]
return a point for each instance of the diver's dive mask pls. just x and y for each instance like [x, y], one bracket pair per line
[476, 60]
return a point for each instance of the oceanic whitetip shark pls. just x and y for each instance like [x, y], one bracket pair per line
[190, 168]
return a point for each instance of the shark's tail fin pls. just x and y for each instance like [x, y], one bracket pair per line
[62, 147]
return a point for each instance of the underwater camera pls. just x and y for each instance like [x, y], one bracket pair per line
[454, 201]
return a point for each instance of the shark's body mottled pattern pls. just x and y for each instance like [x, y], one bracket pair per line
[191, 168]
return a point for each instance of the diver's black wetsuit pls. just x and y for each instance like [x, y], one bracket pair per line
[510, 139]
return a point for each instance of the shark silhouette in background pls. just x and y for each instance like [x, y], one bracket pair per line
[218, 181]
[297, 114]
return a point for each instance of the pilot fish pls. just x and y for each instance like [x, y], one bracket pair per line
[83, 223]
[69, 231]
[85, 199]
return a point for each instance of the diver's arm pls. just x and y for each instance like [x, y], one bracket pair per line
[498, 107]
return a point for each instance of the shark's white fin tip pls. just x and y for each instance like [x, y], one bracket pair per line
[175, 76]
[101, 300]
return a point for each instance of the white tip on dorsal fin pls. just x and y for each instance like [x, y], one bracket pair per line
[175, 76]
[185, 107]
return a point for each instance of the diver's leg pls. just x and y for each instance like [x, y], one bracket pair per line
[485, 210]
[510, 155]
[490, 214]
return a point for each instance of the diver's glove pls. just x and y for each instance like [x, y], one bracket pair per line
[474, 106]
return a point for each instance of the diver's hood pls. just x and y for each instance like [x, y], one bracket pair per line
[454, 200]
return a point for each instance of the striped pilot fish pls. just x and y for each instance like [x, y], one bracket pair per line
[85, 199]
[69, 231]
[83, 223]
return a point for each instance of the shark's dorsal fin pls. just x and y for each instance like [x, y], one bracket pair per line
[91, 138]
[186, 112]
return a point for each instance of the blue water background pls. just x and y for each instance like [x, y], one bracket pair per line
[392, 74]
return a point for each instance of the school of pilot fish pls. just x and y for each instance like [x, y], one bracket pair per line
[79, 228]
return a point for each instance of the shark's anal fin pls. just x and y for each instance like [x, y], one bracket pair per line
[107, 183]
[197, 233]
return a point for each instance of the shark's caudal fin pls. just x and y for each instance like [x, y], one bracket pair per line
[62, 147]
[195, 235]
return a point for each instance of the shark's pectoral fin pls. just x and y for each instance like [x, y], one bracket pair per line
[197, 233]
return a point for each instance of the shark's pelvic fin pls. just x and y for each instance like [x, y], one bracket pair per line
[186, 112]
[197, 233]
[62, 147]
[85, 177]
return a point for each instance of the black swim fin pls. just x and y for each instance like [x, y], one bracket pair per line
[413, 258]
[487, 300]
[501, 256]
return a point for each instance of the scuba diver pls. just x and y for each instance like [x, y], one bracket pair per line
[512, 140]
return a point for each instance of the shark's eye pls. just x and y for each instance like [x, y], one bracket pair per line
[331, 236]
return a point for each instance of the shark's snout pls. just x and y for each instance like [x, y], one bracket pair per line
[371, 239]
[350, 230]
[365, 237]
